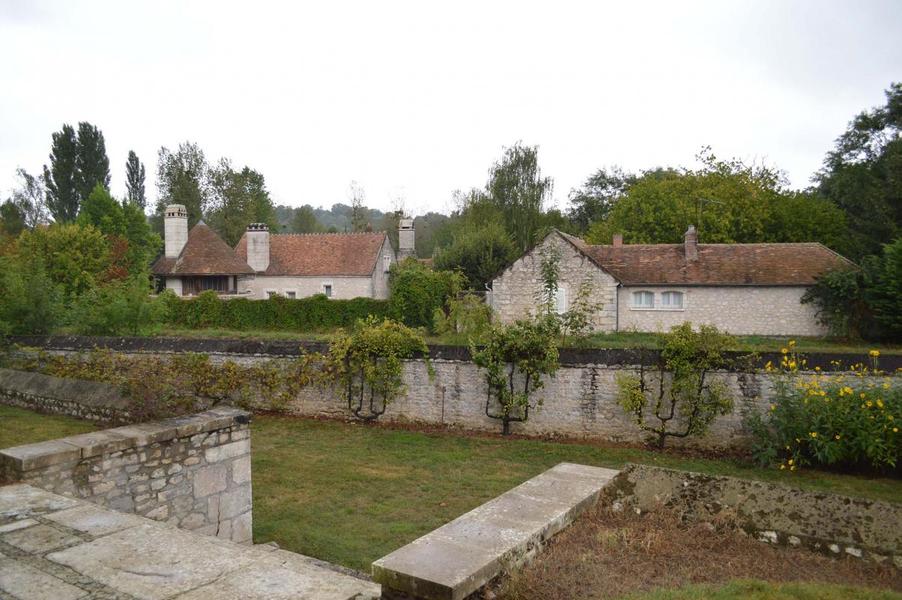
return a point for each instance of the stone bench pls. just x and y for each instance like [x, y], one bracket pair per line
[459, 558]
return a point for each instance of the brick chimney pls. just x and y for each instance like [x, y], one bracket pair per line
[258, 246]
[618, 240]
[690, 244]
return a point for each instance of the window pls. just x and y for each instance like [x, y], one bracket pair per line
[271, 293]
[327, 290]
[291, 294]
[386, 262]
[672, 300]
[643, 300]
[560, 300]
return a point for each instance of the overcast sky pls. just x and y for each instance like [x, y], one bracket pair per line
[417, 99]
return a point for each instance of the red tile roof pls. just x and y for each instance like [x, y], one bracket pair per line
[205, 253]
[320, 254]
[717, 264]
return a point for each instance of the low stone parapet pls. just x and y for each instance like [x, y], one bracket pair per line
[56, 395]
[459, 558]
[193, 472]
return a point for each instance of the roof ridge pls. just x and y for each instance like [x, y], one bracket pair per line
[323, 233]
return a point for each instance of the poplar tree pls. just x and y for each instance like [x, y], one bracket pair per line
[92, 166]
[134, 180]
[61, 176]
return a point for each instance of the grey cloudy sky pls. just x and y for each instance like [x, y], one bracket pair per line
[417, 99]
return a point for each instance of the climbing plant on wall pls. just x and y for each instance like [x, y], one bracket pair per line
[515, 359]
[365, 364]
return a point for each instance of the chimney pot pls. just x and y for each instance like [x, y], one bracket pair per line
[690, 244]
[618, 240]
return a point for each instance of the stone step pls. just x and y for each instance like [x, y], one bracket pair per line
[459, 558]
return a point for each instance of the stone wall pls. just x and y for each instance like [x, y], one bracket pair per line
[54, 395]
[773, 513]
[758, 310]
[514, 292]
[193, 472]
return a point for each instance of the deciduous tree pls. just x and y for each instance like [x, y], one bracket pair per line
[183, 178]
[238, 199]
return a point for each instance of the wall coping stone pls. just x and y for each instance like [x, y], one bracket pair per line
[457, 559]
[283, 348]
[42, 454]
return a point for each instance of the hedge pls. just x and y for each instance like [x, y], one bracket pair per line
[316, 313]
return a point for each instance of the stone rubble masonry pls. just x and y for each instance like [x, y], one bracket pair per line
[772, 513]
[192, 472]
[89, 400]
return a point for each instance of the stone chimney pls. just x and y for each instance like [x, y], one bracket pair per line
[690, 244]
[175, 230]
[618, 240]
[258, 246]
[406, 239]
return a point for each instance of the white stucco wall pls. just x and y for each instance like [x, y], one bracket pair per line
[515, 291]
[174, 284]
[741, 310]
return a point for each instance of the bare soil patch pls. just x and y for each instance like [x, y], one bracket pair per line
[607, 554]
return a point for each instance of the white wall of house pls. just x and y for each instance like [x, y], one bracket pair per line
[514, 292]
[741, 310]
[174, 284]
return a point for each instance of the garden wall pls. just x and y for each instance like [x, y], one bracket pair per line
[193, 472]
[580, 401]
[54, 395]
[773, 513]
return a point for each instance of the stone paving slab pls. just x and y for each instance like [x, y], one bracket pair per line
[457, 559]
[56, 548]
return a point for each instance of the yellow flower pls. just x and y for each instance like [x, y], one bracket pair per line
[895, 430]
[813, 434]
[874, 353]
[869, 404]
[792, 343]
[782, 467]
[784, 351]
[790, 461]
[879, 403]
[792, 468]
[773, 407]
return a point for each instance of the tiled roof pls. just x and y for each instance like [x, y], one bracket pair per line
[717, 264]
[205, 253]
[320, 254]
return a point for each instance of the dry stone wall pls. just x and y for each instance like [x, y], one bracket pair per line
[42, 393]
[776, 514]
[192, 472]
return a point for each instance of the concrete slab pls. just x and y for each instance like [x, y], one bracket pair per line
[38, 539]
[28, 583]
[457, 559]
[21, 501]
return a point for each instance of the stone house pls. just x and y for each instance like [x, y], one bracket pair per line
[745, 289]
[338, 265]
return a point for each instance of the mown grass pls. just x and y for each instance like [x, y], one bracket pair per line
[351, 493]
[18, 426]
[762, 590]
[751, 343]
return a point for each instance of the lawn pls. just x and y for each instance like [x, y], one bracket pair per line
[18, 426]
[351, 493]
[751, 343]
[761, 590]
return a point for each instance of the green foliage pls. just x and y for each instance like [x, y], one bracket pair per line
[238, 199]
[728, 201]
[134, 181]
[92, 166]
[417, 291]
[29, 197]
[118, 308]
[515, 358]
[885, 295]
[838, 300]
[304, 221]
[316, 313]
[29, 300]
[183, 178]
[478, 253]
[366, 364]
[861, 175]
[516, 187]
[681, 394]
[468, 316]
[12, 218]
[75, 257]
[62, 176]
[830, 420]
[594, 200]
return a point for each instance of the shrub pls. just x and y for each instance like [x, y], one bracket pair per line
[479, 253]
[316, 313]
[515, 358]
[29, 301]
[417, 291]
[468, 316]
[681, 399]
[834, 420]
[120, 308]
